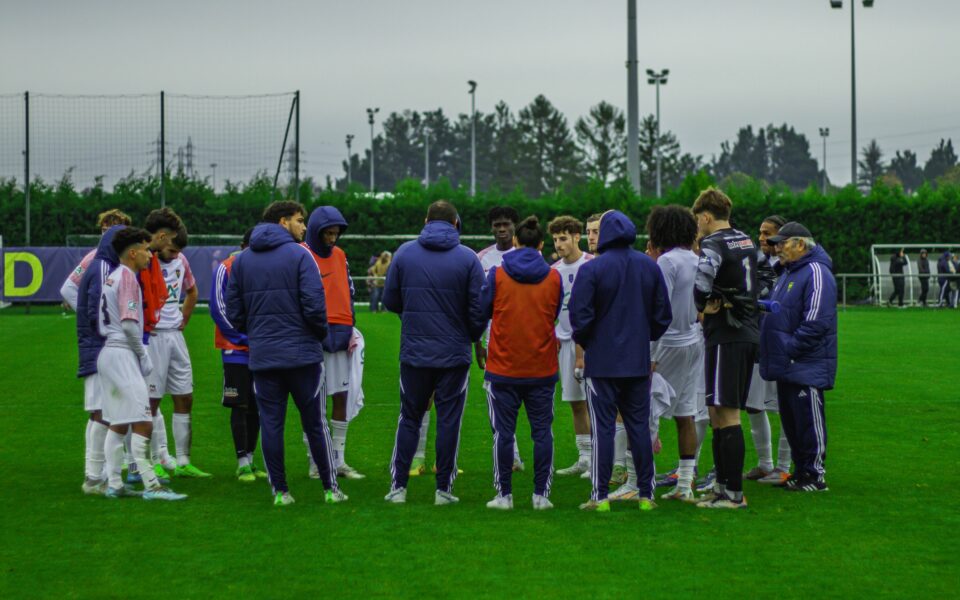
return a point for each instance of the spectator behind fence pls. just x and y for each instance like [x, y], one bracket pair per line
[897, 262]
[946, 272]
[378, 270]
[923, 268]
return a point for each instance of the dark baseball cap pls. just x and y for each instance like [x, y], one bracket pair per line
[790, 230]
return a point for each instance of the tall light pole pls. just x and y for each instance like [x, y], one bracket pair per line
[349, 160]
[853, 83]
[473, 137]
[370, 113]
[658, 79]
[824, 133]
[213, 166]
[426, 157]
[633, 109]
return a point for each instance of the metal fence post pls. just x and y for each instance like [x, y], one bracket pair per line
[163, 151]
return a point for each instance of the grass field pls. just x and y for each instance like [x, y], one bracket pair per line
[887, 527]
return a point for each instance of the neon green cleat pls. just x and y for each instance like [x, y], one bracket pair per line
[245, 474]
[160, 471]
[189, 470]
[334, 497]
[597, 506]
[283, 499]
[646, 504]
[258, 472]
[417, 467]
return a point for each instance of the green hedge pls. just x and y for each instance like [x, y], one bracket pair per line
[846, 222]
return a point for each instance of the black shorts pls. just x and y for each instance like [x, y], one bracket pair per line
[728, 369]
[238, 386]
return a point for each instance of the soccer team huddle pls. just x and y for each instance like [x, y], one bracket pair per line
[704, 324]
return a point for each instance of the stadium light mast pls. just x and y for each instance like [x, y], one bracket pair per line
[349, 160]
[633, 110]
[370, 114]
[657, 79]
[213, 167]
[473, 137]
[824, 133]
[426, 157]
[853, 83]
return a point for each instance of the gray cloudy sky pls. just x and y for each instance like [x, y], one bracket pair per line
[732, 62]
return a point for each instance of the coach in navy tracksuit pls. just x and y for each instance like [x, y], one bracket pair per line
[618, 306]
[89, 344]
[434, 285]
[275, 296]
[798, 350]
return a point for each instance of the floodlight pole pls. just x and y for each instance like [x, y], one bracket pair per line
[824, 133]
[473, 137]
[213, 166]
[163, 150]
[633, 110]
[426, 157]
[26, 165]
[853, 82]
[349, 161]
[296, 157]
[370, 114]
[655, 78]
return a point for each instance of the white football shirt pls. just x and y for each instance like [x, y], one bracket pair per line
[679, 268]
[568, 274]
[491, 257]
[178, 277]
[121, 300]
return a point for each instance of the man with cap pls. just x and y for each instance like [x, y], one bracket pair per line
[923, 268]
[798, 350]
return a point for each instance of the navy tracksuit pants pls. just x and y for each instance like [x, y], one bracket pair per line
[631, 396]
[448, 386]
[306, 385]
[503, 401]
[803, 421]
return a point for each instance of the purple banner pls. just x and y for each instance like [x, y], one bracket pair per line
[35, 274]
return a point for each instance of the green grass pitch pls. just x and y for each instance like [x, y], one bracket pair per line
[887, 527]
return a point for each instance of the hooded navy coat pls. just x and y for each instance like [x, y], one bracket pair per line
[89, 342]
[338, 335]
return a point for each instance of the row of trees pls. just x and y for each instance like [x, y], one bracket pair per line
[538, 151]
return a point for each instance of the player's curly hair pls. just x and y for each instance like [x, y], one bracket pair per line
[128, 236]
[529, 233]
[114, 216]
[671, 226]
[564, 224]
[162, 218]
[282, 209]
[181, 239]
[715, 202]
[503, 212]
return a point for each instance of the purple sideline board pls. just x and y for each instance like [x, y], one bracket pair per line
[35, 274]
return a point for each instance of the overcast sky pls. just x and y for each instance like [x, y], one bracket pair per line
[732, 62]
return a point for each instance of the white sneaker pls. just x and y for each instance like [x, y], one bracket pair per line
[501, 502]
[94, 487]
[348, 472]
[314, 472]
[684, 495]
[442, 498]
[541, 502]
[162, 493]
[625, 492]
[577, 468]
[397, 496]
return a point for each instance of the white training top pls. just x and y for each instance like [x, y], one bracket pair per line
[568, 274]
[121, 301]
[679, 267]
[178, 277]
[491, 257]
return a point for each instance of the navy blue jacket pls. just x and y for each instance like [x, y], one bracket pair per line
[434, 283]
[943, 268]
[338, 336]
[89, 342]
[275, 296]
[799, 344]
[619, 304]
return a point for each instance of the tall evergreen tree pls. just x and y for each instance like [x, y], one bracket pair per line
[548, 155]
[871, 167]
[905, 167]
[942, 158]
[603, 141]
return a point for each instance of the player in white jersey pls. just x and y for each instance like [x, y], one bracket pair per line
[566, 232]
[68, 291]
[173, 372]
[122, 364]
[678, 355]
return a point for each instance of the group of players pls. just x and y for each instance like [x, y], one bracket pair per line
[127, 295]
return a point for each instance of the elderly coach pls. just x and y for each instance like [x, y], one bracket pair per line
[798, 350]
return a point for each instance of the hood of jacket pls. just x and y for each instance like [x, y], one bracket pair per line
[267, 236]
[321, 218]
[817, 255]
[616, 230]
[439, 235]
[105, 251]
[526, 265]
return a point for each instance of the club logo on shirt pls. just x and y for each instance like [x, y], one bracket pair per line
[177, 273]
[132, 305]
[570, 277]
[164, 272]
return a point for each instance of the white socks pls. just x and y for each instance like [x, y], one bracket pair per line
[244, 461]
[128, 454]
[584, 448]
[113, 452]
[338, 433]
[422, 442]
[620, 446]
[701, 434]
[685, 473]
[158, 439]
[784, 455]
[760, 430]
[141, 453]
[631, 469]
[95, 438]
[182, 437]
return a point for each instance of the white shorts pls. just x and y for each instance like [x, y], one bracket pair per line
[571, 390]
[172, 371]
[763, 393]
[336, 368]
[680, 366]
[125, 398]
[92, 396]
